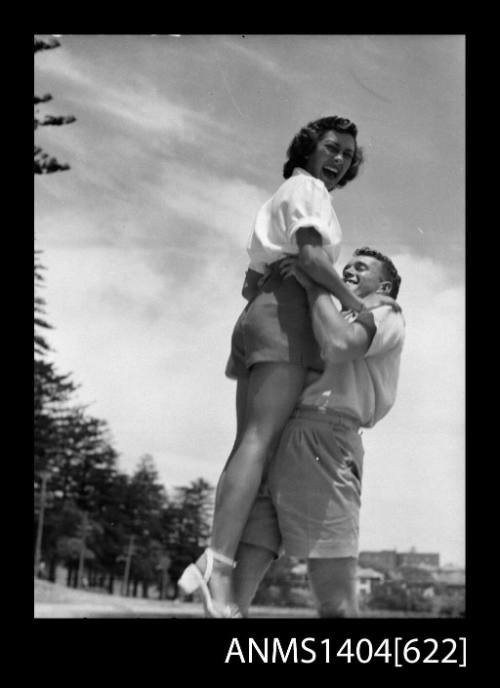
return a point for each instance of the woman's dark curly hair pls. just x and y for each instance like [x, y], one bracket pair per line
[304, 143]
[390, 272]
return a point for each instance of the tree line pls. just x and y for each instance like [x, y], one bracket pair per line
[98, 520]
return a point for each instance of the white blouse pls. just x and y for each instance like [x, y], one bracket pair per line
[301, 201]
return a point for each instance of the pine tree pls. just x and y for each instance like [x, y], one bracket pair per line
[186, 524]
[146, 502]
[83, 471]
[51, 389]
[43, 162]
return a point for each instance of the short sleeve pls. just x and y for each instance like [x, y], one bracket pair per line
[367, 320]
[257, 265]
[308, 204]
[390, 331]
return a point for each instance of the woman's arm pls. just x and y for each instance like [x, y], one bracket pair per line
[340, 340]
[314, 261]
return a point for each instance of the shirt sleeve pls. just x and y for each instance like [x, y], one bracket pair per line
[257, 265]
[308, 205]
[367, 320]
[390, 330]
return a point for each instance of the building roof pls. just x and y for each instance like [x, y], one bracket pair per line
[299, 569]
[369, 573]
[452, 577]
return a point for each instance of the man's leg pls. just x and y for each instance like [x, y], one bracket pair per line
[333, 583]
[253, 562]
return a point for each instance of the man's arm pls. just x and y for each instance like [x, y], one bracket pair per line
[340, 341]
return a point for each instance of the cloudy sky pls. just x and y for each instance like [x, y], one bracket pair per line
[178, 140]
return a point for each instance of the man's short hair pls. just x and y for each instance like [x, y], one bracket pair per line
[390, 272]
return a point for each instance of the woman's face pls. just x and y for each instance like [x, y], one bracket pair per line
[332, 157]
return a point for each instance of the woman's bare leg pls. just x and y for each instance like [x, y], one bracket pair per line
[272, 392]
[241, 409]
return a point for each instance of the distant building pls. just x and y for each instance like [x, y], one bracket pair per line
[451, 577]
[391, 570]
[389, 560]
[414, 558]
[366, 579]
[384, 560]
[299, 573]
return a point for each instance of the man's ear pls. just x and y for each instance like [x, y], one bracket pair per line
[385, 287]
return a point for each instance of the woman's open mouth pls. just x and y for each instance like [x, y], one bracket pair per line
[331, 171]
[330, 174]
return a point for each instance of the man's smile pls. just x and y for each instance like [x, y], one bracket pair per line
[349, 279]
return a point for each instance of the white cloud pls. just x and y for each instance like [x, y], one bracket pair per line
[152, 112]
[227, 206]
[106, 87]
[145, 352]
[254, 50]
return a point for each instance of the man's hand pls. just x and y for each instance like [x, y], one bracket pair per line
[290, 268]
[251, 284]
[375, 300]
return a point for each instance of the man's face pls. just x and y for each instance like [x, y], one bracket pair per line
[365, 275]
[332, 158]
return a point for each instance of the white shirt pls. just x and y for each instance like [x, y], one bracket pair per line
[301, 201]
[366, 387]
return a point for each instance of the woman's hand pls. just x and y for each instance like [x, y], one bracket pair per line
[375, 300]
[289, 268]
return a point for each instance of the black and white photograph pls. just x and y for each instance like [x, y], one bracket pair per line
[249, 341]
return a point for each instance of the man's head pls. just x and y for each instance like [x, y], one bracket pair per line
[369, 271]
[326, 142]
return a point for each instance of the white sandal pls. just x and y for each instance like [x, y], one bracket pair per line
[193, 579]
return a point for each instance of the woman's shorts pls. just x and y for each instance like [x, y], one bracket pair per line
[274, 327]
[309, 503]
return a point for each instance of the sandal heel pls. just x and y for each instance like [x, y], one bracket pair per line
[190, 579]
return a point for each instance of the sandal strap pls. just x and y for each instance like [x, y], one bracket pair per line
[212, 554]
[210, 564]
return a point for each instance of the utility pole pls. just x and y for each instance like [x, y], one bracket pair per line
[44, 475]
[82, 549]
[127, 565]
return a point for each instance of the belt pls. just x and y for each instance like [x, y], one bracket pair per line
[327, 415]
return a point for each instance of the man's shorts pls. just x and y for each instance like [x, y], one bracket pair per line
[274, 327]
[309, 502]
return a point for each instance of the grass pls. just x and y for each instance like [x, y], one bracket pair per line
[54, 600]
